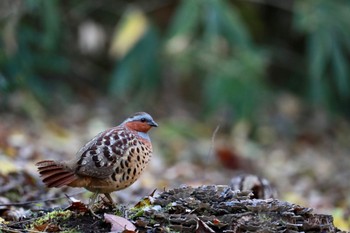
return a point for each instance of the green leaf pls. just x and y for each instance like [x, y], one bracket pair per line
[232, 26]
[137, 72]
[186, 18]
[317, 54]
[340, 70]
[51, 23]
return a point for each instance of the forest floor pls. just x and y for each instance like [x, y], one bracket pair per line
[304, 156]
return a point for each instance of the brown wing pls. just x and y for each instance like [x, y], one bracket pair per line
[99, 156]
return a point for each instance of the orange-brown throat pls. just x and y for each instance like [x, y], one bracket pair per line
[138, 126]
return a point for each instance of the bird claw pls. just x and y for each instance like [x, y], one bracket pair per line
[94, 214]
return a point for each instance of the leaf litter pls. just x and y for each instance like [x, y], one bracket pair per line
[300, 168]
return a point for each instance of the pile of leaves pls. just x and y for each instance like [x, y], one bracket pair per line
[186, 209]
[221, 209]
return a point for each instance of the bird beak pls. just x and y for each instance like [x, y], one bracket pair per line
[153, 123]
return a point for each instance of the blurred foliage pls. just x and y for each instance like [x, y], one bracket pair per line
[218, 50]
[325, 24]
[207, 55]
[136, 45]
[28, 53]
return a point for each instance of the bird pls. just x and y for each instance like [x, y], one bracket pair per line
[113, 160]
[260, 187]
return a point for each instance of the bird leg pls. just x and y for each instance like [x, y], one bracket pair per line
[108, 196]
[92, 200]
[91, 204]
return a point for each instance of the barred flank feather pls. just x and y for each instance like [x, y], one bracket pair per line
[54, 174]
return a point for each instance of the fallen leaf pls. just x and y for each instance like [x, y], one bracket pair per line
[7, 166]
[119, 224]
[77, 205]
[47, 227]
[16, 214]
[339, 219]
[145, 202]
[203, 228]
[216, 222]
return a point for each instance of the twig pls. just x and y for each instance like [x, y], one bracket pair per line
[38, 201]
[212, 145]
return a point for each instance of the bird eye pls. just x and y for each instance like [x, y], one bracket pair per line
[143, 120]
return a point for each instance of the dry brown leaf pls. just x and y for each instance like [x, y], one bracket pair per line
[77, 205]
[47, 227]
[203, 228]
[119, 224]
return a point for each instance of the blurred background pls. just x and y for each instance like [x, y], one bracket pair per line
[253, 86]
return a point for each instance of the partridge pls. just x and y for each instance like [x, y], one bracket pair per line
[111, 161]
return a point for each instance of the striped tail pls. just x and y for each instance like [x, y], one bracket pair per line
[55, 174]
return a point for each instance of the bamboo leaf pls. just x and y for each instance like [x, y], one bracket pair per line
[186, 18]
[340, 70]
[130, 30]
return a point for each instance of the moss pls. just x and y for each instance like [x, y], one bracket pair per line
[119, 212]
[169, 207]
[13, 195]
[139, 208]
[152, 221]
[136, 212]
[52, 216]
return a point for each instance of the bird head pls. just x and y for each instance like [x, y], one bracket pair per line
[140, 122]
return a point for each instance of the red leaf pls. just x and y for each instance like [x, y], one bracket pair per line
[77, 205]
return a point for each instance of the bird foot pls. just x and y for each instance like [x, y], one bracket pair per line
[94, 214]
